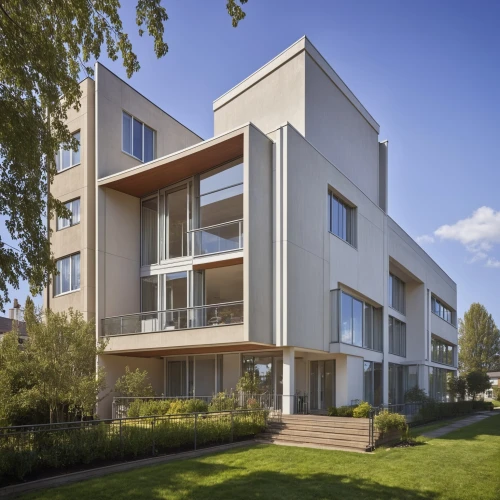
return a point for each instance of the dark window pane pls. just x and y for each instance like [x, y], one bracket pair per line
[137, 139]
[76, 153]
[148, 144]
[127, 133]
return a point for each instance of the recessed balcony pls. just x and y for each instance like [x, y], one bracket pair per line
[207, 316]
[225, 237]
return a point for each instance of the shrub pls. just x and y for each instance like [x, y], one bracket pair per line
[134, 384]
[416, 395]
[223, 402]
[362, 410]
[332, 411]
[434, 411]
[341, 411]
[385, 422]
[482, 405]
[159, 407]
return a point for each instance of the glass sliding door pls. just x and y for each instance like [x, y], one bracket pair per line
[174, 300]
[322, 384]
[176, 378]
[149, 231]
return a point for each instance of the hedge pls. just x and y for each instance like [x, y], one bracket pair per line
[434, 411]
[45, 448]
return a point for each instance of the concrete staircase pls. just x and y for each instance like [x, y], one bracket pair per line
[318, 431]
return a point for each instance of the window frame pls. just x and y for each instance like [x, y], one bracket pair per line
[59, 154]
[443, 309]
[391, 293]
[351, 218]
[439, 352]
[133, 118]
[55, 277]
[364, 306]
[71, 224]
[399, 330]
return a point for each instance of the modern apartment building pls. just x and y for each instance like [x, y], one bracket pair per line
[267, 247]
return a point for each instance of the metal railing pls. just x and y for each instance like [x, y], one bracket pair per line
[228, 313]
[225, 237]
[235, 400]
[54, 446]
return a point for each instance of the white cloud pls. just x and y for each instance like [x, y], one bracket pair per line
[478, 233]
[424, 239]
[492, 262]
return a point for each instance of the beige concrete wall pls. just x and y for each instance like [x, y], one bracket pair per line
[113, 96]
[114, 367]
[118, 253]
[339, 131]
[271, 101]
[258, 230]
[78, 182]
[231, 371]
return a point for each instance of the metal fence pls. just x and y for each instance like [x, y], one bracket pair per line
[220, 402]
[32, 448]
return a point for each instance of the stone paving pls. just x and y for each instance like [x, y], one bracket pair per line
[436, 433]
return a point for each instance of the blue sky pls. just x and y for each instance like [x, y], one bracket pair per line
[429, 72]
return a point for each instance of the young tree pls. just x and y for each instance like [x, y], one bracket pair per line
[477, 383]
[478, 340]
[134, 384]
[458, 387]
[45, 46]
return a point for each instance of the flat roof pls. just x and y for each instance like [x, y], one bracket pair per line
[301, 45]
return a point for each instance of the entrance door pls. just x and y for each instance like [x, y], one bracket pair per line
[322, 384]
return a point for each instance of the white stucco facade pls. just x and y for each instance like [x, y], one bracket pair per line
[287, 261]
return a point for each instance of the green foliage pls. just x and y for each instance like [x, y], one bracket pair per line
[223, 402]
[478, 340]
[436, 411]
[477, 383]
[249, 383]
[482, 405]
[341, 411]
[88, 442]
[53, 375]
[134, 384]
[496, 393]
[457, 386]
[386, 421]
[416, 395]
[45, 48]
[159, 407]
[362, 410]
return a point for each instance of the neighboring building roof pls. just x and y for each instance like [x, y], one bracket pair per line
[493, 374]
[6, 325]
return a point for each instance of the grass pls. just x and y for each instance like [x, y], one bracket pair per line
[461, 465]
[496, 404]
[422, 429]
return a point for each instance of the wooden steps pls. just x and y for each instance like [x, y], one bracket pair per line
[319, 431]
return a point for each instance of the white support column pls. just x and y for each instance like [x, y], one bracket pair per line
[288, 380]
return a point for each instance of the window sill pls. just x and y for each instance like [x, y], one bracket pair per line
[342, 239]
[66, 293]
[398, 355]
[397, 310]
[68, 227]
[354, 345]
[68, 168]
[443, 364]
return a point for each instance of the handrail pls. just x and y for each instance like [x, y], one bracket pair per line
[175, 310]
[214, 225]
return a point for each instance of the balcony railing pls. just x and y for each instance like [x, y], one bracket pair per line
[228, 313]
[224, 237]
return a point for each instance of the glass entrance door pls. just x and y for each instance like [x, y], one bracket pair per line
[322, 384]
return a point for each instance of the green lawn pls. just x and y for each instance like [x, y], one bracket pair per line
[496, 403]
[462, 465]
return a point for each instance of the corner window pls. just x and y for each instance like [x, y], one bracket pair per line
[67, 158]
[341, 219]
[68, 274]
[397, 337]
[74, 207]
[397, 291]
[149, 230]
[137, 138]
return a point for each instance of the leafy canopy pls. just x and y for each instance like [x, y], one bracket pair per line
[45, 45]
[134, 384]
[478, 340]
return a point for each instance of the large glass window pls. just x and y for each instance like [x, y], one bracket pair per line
[372, 383]
[438, 383]
[149, 230]
[442, 352]
[138, 139]
[68, 277]
[149, 293]
[442, 311]
[360, 323]
[220, 210]
[397, 337]
[402, 378]
[174, 300]
[67, 158]
[74, 207]
[263, 369]
[341, 219]
[397, 294]
[176, 211]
